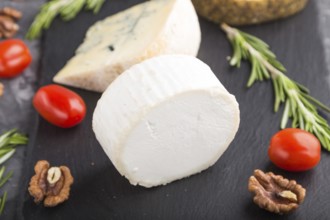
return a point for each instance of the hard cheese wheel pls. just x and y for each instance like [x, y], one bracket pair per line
[165, 119]
[241, 12]
[119, 41]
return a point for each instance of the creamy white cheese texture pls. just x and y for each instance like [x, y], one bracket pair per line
[129, 37]
[165, 119]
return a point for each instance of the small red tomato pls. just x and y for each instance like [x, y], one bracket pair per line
[294, 149]
[59, 106]
[14, 58]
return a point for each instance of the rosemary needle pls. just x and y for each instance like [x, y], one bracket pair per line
[2, 202]
[2, 182]
[299, 105]
[6, 178]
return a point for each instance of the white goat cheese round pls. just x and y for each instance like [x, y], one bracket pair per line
[165, 119]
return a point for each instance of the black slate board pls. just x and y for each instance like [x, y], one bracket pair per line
[16, 108]
[99, 192]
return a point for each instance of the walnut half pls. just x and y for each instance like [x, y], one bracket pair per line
[1, 89]
[275, 193]
[50, 184]
[8, 18]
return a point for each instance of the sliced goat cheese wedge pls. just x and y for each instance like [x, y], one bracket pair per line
[114, 44]
[165, 119]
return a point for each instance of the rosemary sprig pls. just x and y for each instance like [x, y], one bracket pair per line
[8, 141]
[67, 9]
[300, 106]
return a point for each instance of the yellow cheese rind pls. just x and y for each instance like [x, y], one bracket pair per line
[244, 12]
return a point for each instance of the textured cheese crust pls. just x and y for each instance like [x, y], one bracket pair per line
[165, 119]
[245, 12]
[114, 44]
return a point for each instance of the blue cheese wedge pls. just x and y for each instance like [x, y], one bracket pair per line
[116, 43]
[164, 119]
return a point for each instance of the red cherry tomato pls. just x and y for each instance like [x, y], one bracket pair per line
[59, 106]
[14, 58]
[294, 150]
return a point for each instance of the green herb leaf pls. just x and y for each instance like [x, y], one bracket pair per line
[70, 10]
[6, 156]
[12, 138]
[2, 170]
[4, 138]
[3, 180]
[2, 202]
[67, 9]
[300, 106]
[94, 5]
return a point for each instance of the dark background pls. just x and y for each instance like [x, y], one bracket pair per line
[220, 192]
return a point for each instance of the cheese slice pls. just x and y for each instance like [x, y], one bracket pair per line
[165, 119]
[119, 41]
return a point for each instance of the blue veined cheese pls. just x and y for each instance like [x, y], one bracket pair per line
[114, 44]
[164, 119]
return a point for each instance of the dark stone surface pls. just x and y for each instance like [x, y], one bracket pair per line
[99, 192]
[16, 108]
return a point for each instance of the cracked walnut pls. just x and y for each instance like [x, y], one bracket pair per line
[50, 184]
[8, 22]
[275, 193]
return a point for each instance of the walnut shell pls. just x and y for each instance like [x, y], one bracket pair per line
[274, 193]
[8, 18]
[50, 193]
[1, 89]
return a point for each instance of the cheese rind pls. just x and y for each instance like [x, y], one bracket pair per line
[247, 12]
[165, 119]
[129, 37]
